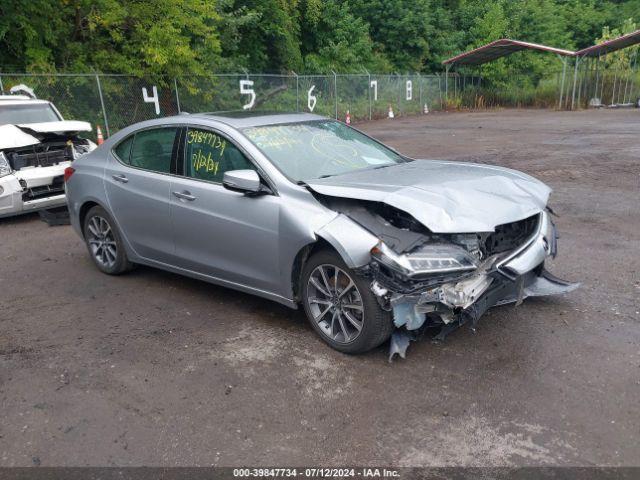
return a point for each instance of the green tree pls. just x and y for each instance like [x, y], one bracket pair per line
[339, 41]
[399, 28]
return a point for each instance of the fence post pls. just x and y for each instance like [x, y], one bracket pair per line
[1, 86]
[104, 111]
[446, 82]
[175, 85]
[420, 92]
[369, 91]
[297, 92]
[335, 90]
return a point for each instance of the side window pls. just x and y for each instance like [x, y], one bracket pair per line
[152, 149]
[123, 149]
[209, 155]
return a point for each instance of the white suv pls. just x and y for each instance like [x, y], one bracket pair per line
[36, 145]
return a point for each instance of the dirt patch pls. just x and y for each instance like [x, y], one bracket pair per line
[151, 368]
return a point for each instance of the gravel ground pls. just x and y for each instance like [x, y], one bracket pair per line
[155, 369]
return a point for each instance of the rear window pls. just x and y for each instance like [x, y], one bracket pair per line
[27, 113]
[153, 149]
[123, 149]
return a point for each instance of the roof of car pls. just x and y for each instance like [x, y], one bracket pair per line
[244, 119]
[19, 100]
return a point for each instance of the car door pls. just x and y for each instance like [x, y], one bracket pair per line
[137, 182]
[218, 232]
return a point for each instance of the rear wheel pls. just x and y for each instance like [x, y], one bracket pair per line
[105, 243]
[340, 305]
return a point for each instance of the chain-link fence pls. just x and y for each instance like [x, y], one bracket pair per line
[115, 101]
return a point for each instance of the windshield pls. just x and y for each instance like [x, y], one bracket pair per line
[27, 113]
[325, 148]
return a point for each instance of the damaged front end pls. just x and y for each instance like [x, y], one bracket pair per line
[448, 280]
[32, 163]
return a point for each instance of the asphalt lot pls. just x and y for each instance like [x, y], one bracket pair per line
[155, 369]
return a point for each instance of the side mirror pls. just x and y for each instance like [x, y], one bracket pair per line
[244, 181]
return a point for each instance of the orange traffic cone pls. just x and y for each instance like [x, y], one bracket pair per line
[100, 137]
[391, 115]
[348, 119]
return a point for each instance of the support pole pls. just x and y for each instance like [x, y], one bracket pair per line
[582, 72]
[104, 111]
[595, 89]
[575, 79]
[564, 73]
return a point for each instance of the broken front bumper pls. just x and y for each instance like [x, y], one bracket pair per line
[500, 280]
[32, 189]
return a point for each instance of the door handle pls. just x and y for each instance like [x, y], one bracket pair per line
[186, 195]
[120, 178]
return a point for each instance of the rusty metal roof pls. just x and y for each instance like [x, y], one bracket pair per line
[500, 48]
[610, 45]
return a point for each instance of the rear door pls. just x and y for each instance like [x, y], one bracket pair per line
[137, 181]
[217, 232]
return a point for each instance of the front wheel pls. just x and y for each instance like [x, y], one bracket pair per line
[340, 305]
[104, 242]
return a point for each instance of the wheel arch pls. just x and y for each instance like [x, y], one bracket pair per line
[84, 209]
[299, 262]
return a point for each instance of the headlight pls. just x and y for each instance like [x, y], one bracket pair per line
[5, 168]
[436, 259]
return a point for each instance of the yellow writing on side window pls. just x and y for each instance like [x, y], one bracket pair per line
[204, 163]
[207, 138]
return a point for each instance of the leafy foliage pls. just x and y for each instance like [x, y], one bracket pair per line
[192, 37]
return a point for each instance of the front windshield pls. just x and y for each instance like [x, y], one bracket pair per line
[27, 113]
[319, 149]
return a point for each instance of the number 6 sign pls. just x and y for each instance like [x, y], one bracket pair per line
[311, 99]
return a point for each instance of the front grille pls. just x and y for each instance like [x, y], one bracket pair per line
[44, 155]
[510, 236]
[44, 191]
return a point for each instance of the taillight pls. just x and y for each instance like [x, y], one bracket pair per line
[68, 172]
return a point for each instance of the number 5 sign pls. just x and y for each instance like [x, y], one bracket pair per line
[246, 90]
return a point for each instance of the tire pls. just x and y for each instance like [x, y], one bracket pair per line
[104, 242]
[353, 301]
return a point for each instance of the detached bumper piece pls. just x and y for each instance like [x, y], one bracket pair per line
[55, 216]
[475, 296]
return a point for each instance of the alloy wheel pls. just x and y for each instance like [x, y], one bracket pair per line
[101, 241]
[335, 303]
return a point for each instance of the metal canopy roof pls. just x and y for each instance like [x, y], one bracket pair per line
[610, 45]
[500, 48]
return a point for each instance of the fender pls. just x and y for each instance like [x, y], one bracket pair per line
[350, 240]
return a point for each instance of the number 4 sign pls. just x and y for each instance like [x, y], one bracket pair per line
[153, 99]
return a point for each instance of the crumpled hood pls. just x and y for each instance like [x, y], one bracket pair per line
[62, 126]
[25, 134]
[446, 197]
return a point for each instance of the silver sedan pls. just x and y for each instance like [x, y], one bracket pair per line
[308, 211]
